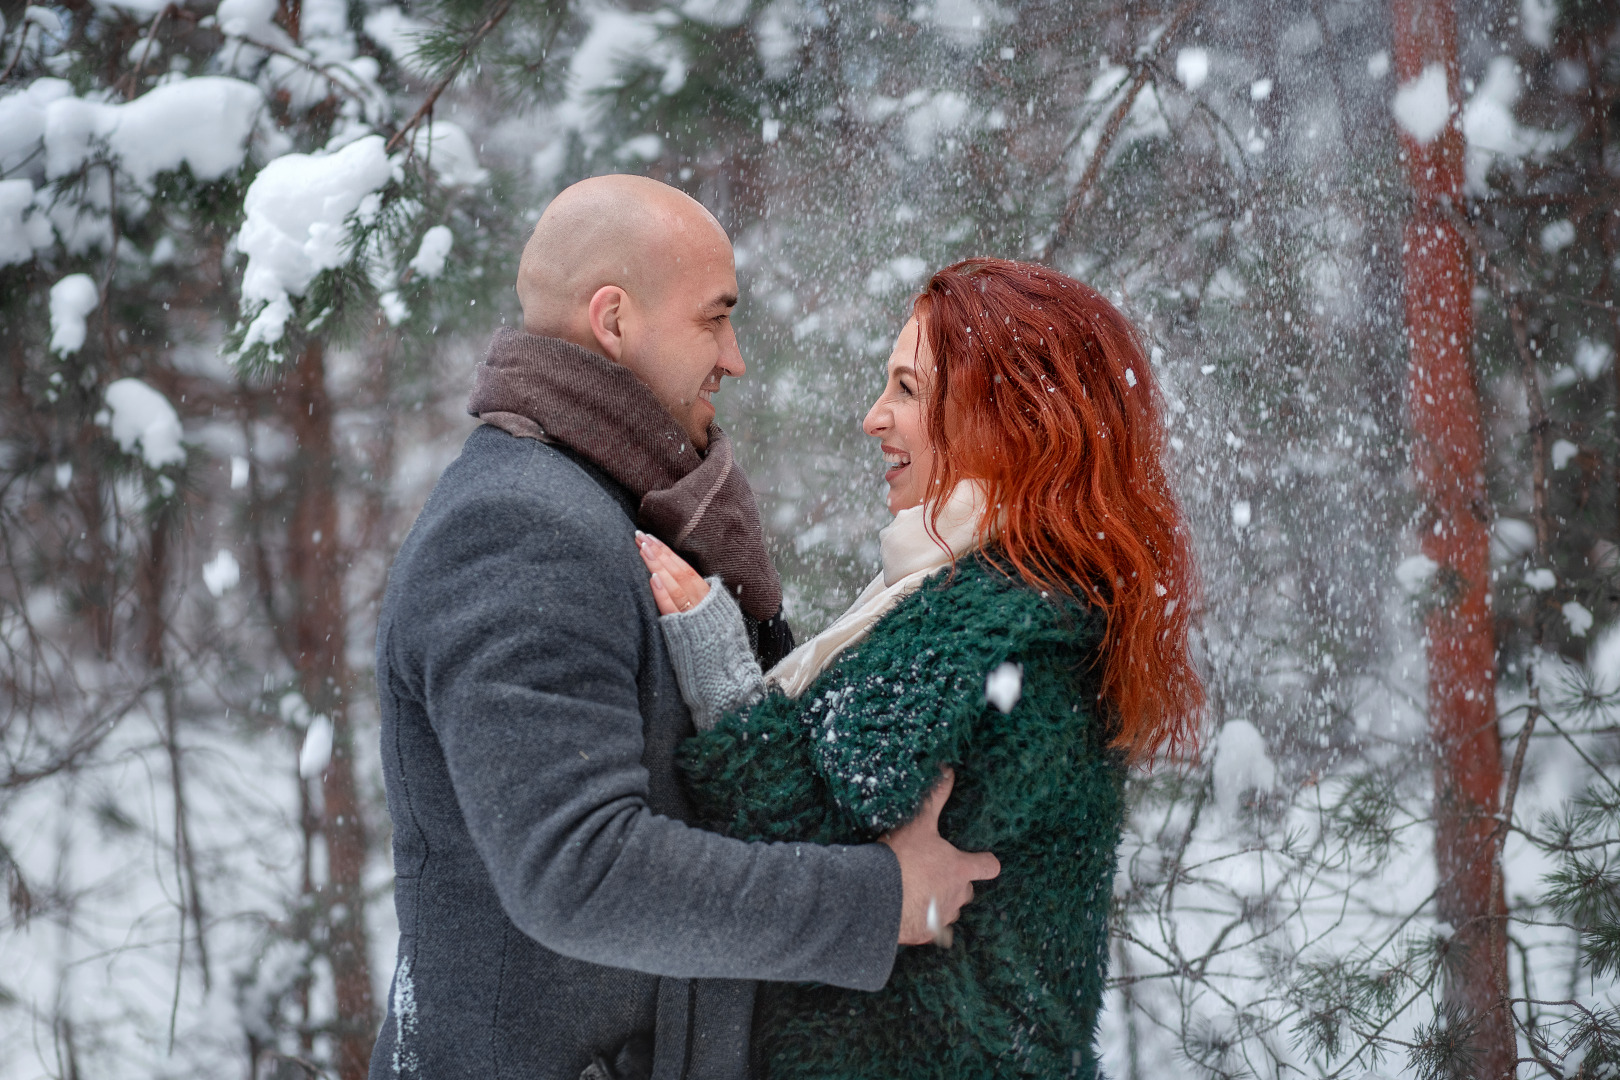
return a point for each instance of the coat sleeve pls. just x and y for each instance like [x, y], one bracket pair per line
[753, 776]
[525, 653]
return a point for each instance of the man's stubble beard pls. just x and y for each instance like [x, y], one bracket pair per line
[700, 439]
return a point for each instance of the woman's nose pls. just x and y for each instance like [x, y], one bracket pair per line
[876, 419]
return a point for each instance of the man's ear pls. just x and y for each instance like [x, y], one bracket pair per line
[606, 314]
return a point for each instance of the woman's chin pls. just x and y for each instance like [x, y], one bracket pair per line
[898, 495]
[901, 500]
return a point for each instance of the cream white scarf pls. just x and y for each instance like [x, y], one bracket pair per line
[910, 557]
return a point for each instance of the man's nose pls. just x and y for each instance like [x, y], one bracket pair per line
[731, 361]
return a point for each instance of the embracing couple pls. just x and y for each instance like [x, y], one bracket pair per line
[637, 833]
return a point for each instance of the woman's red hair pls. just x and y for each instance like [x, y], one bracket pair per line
[1043, 394]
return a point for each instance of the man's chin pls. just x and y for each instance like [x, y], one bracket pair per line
[696, 422]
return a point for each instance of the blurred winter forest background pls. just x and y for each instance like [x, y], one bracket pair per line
[250, 253]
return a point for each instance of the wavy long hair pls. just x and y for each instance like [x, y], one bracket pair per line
[1043, 394]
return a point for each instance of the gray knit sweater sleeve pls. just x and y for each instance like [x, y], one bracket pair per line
[708, 646]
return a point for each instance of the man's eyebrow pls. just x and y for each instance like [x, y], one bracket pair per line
[724, 300]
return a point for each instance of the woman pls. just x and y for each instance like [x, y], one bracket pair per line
[1029, 629]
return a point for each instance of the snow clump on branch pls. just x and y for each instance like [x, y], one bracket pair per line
[203, 123]
[143, 422]
[72, 300]
[22, 120]
[447, 149]
[428, 263]
[1491, 130]
[1414, 574]
[21, 232]
[1192, 67]
[316, 753]
[248, 18]
[1541, 579]
[221, 573]
[617, 43]
[296, 225]
[1578, 618]
[400, 34]
[1423, 106]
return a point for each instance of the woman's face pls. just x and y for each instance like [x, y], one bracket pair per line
[898, 420]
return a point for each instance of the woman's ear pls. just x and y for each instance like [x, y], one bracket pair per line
[606, 314]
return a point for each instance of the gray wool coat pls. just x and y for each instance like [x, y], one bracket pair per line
[555, 912]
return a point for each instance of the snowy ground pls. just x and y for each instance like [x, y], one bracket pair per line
[1261, 890]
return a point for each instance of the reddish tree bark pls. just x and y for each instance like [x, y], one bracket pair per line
[1447, 456]
[319, 634]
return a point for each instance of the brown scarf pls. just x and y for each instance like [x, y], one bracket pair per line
[700, 505]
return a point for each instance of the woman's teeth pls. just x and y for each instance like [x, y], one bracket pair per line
[896, 460]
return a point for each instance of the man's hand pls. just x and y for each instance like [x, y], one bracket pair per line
[936, 879]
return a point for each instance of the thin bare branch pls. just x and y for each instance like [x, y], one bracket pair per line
[470, 46]
[1142, 73]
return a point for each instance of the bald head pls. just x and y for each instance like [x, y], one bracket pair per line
[642, 274]
[629, 231]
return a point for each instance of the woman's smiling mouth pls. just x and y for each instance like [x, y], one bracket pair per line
[897, 462]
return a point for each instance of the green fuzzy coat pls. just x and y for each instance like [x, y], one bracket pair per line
[1019, 992]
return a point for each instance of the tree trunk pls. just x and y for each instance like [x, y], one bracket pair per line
[1447, 458]
[316, 577]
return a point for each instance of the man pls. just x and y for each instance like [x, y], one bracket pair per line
[557, 917]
